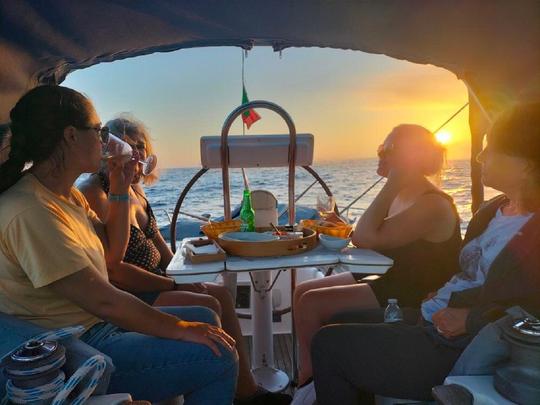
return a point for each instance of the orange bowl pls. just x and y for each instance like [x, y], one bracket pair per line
[214, 229]
[338, 230]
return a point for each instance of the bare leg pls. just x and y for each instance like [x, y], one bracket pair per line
[330, 281]
[316, 307]
[246, 384]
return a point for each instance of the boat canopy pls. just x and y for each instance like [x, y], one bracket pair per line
[492, 45]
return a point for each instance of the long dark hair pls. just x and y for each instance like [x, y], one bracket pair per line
[37, 127]
[516, 132]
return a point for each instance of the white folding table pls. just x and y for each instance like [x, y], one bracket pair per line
[260, 269]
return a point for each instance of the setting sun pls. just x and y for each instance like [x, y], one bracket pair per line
[443, 137]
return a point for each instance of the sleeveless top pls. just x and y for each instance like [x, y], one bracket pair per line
[141, 250]
[419, 267]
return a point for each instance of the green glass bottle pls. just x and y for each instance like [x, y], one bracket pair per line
[247, 215]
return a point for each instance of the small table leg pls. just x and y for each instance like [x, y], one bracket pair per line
[264, 372]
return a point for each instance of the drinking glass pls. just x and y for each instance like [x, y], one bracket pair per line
[148, 164]
[116, 148]
[325, 205]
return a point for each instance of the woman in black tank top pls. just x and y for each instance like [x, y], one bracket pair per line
[410, 221]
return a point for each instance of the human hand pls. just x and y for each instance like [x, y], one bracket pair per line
[451, 322]
[121, 172]
[206, 334]
[199, 288]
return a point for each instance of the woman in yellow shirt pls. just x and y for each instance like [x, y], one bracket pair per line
[52, 259]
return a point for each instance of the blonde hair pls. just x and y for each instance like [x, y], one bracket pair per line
[434, 153]
[125, 124]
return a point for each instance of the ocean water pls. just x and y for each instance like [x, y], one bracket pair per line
[347, 180]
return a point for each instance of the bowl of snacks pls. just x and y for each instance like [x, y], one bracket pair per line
[333, 242]
[214, 229]
[339, 230]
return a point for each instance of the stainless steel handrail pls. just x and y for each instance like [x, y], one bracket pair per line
[225, 152]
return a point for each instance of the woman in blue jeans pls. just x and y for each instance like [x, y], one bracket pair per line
[52, 259]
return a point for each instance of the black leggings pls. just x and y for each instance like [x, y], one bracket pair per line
[352, 361]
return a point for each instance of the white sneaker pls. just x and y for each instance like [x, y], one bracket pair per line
[305, 395]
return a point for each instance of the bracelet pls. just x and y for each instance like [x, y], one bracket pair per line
[118, 197]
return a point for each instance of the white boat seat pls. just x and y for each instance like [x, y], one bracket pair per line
[265, 205]
[256, 151]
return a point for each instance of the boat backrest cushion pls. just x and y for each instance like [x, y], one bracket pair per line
[256, 151]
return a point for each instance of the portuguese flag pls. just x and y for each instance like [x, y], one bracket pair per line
[250, 116]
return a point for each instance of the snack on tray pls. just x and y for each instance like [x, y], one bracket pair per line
[338, 230]
[213, 229]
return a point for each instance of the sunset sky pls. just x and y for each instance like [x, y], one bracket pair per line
[348, 99]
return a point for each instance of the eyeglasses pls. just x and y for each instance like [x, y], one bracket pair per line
[383, 151]
[103, 132]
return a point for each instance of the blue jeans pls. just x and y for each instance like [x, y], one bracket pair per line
[157, 369]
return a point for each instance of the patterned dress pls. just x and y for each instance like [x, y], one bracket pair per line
[141, 250]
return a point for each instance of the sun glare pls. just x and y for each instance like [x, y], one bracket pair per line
[443, 137]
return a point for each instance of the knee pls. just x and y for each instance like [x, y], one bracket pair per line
[301, 289]
[307, 305]
[212, 303]
[221, 294]
[206, 314]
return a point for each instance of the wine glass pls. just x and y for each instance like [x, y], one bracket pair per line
[149, 164]
[116, 148]
[325, 205]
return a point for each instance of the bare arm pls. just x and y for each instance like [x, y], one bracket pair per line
[375, 231]
[93, 293]
[135, 279]
[113, 227]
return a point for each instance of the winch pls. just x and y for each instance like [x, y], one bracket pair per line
[35, 376]
[519, 379]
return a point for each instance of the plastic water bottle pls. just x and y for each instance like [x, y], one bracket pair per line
[392, 313]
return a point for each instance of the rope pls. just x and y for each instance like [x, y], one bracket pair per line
[360, 196]
[451, 118]
[58, 389]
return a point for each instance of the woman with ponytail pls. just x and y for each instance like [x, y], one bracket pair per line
[52, 259]
[411, 220]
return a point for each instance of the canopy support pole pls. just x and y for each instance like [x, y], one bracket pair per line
[479, 122]
[477, 125]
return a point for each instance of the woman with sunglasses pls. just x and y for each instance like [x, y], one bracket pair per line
[411, 220]
[53, 270]
[141, 270]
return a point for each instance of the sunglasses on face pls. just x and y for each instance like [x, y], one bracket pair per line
[102, 132]
[383, 151]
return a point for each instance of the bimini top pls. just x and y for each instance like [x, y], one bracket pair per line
[493, 44]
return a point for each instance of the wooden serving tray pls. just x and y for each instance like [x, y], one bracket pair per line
[270, 248]
[206, 257]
